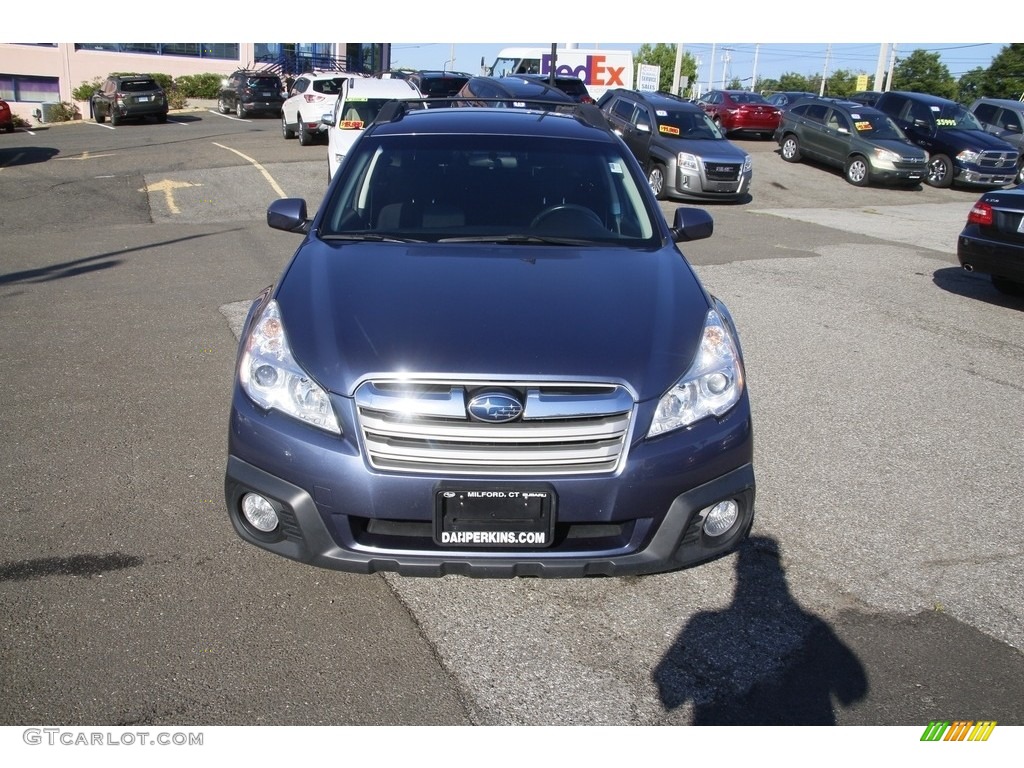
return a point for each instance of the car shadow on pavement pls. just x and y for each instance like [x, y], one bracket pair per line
[11, 157]
[763, 660]
[974, 286]
[73, 565]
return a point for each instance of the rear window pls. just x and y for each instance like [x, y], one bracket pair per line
[330, 87]
[139, 85]
[271, 83]
[572, 87]
[442, 86]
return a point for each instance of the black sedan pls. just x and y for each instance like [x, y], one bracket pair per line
[992, 242]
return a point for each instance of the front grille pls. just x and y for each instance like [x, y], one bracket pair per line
[722, 171]
[998, 162]
[424, 428]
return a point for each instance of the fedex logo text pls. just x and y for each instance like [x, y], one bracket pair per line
[594, 72]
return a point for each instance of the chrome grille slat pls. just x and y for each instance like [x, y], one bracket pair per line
[566, 429]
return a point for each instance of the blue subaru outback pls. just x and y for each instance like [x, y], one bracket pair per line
[489, 357]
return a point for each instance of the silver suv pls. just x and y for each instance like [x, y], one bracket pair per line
[682, 151]
[1004, 118]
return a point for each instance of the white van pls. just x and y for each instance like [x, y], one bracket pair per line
[358, 104]
[600, 69]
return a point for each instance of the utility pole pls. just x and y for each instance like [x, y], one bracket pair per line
[824, 72]
[883, 50]
[892, 66]
[711, 71]
[679, 68]
[726, 60]
[753, 75]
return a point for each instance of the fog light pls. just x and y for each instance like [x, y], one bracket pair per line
[721, 517]
[259, 512]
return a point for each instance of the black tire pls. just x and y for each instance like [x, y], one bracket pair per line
[287, 132]
[1008, 287]
[858, 171]
[305, 137]
[98, 114]
[940, 172]
[656, 179]
[240, 110]
[115, 119]
[222, 106]
[790, 149]
[162, 117]
[1020, 172]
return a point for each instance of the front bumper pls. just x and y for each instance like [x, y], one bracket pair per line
[692, 184]
[336, 512]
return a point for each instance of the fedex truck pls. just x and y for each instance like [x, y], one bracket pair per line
[600, 69]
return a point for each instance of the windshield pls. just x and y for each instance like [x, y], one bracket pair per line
[953, 116]
[505, 66]
[687, 125]
[485, 187]
[876, 126]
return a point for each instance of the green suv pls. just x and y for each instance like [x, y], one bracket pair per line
[865, 143]
[129, 96]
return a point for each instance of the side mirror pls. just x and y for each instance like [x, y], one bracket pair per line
[643, 127]
[288, 214]
[327, 118]
[692, 224]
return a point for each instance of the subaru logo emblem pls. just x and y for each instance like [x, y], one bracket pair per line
[495, 407]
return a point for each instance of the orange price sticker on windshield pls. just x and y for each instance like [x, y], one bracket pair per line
[350, 124]
[862, 125]
[671, 130]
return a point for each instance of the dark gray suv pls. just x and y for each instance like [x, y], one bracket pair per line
[682, 151]
[129, 96]
[863, 142]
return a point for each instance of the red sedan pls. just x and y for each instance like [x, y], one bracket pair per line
[741, 111]
[6, 118]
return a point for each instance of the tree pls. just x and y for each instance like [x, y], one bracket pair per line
[664, 55]
[1005, 76]
[924, 72]
[791, 81]
[972, 85]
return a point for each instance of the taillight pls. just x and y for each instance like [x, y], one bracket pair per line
[311, 97]
[118, 97]
[980, 214]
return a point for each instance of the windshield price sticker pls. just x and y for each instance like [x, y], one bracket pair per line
[671, 130]
[494, 517]
[350, 125]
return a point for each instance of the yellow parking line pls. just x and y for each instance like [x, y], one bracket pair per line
[260, 168]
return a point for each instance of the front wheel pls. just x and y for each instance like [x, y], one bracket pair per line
[791, 149]
[940, 172]
[115, 119]
[857, 171]
[656, 178]
[240, 111]
[287, 132]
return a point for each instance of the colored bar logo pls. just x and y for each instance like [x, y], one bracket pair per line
[959, 730]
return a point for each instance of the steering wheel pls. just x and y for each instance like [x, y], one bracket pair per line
[571, 212]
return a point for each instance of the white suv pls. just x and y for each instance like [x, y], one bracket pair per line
[356, 107]
[312, 94]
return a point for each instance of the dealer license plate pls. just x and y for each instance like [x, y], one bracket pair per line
[494, 517]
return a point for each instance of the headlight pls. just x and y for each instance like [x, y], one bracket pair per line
[748, 163]
[688, 161]
[969, 156]
[712, 386]
[886, 156]
[270, 376]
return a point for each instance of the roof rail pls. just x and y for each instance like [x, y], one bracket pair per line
[589, 114]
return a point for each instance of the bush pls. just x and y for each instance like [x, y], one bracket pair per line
[202, 86]
[85, 91]
[63, 112]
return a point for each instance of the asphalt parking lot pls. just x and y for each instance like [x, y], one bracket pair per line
[880, 585]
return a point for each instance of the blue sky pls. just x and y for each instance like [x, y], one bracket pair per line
[772, 59]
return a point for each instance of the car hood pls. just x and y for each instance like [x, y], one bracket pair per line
[976, 140]
[900, 147]
[715, 150]
[354, 311]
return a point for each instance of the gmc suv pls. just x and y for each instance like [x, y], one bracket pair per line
[959, 149]
[682, 151]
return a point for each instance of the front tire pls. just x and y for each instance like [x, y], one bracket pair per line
[115, 119]
[791, 149]
[305, 137]
[656, 178]
[240, 111]
[222, 106]
[857, 171]
[287, 132]
[940, 172]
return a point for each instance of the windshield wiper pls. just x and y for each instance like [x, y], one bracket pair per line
[371, 237]
[517, 240]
